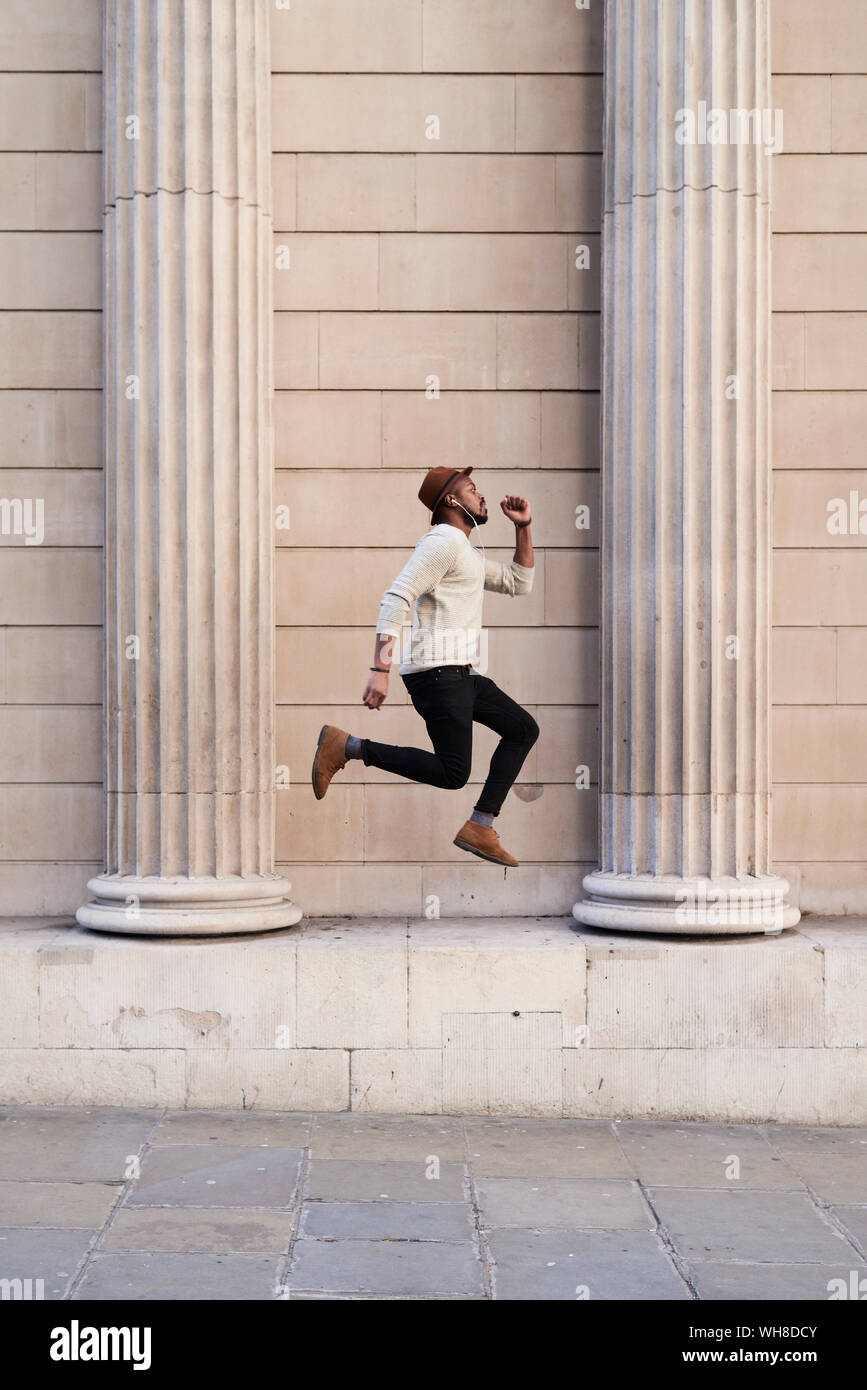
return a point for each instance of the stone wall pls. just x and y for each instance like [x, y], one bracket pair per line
[819, 687]
[51, 603]
[410, 257]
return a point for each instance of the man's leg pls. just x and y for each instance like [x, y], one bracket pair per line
[518, 732]
[444, 699]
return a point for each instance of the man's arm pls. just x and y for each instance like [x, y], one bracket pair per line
[517, 577]
[429, 562]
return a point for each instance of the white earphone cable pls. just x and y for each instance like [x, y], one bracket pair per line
[476, 524]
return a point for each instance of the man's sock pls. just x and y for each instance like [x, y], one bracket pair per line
[353, 747]
[482, 818]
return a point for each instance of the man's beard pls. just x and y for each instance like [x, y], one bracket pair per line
[481, 518]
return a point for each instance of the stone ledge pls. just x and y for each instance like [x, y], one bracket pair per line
[523, 1016]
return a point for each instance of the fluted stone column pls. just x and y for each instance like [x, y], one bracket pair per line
[189, 532]
[684, 785]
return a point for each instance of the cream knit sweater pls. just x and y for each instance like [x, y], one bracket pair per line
[444, 578]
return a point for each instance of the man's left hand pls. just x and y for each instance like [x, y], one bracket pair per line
[516, 508]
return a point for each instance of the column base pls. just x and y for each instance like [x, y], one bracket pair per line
[181, 906]
[669, 904]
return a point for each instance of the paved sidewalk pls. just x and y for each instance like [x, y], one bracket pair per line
[153, 1204]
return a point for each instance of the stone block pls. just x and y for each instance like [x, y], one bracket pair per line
[803, 663]
[572, 576]
[819, 588]
[308, 830]
[812, 271]
[815, 194]
[47, 822]
[538, 352]
[458, 966]
[755, 992]
[104, 992]
[342, 968]
[464, 890]
[407, 1080]
[71, 512]
[558, 114]
[327, 429]
[100, 1076]
[378, 113]
[39, 744]
[391, 890]
[51, 35]
[819, 429]
[54, 665]
[440, 270]
[333, 36]
[326, 270]
[806, 106]
[835, 352]
[296, 351]
[516, 36]
[494, 429]
[284, 192]
[571, 428]
[19, 1017]
[744, 1085]
[808, 504]
[50, 111]
[787, 352]
[269, 1079]
[50, 349]
[401, 351]
[820, 821]
[820, 744]
[17, 190]
[849, 112]
[354, 192]
[852, 665]
[69, 196]
[804, 39]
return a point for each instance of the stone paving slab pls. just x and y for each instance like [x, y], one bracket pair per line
[50, 1255]
[368, 1181]
[57, 1205]
[255, 1127]
[388, 1220]
[833, 1162]
[180, 1277]
[752, 1226]
[756, 1282]
[187, 1230]
[570, 1265]
[388, 1137]
[663, 1154]
[215, 1175]
[545, 1148]
[855, 1221]
[390, 1267]
[577, 1203]
[58, 1144]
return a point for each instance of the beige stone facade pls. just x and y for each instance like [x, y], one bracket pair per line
[400, 259]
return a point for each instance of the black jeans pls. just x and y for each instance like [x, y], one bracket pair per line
[449, 699]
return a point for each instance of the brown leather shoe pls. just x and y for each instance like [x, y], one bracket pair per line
[484, 841]
[329, 758]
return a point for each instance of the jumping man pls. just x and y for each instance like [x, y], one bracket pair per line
[444, 580]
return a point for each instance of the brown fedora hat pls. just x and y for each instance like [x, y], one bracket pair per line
[436, 484]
